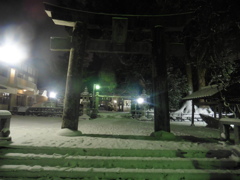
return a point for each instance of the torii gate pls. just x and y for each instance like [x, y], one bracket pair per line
[120, 25]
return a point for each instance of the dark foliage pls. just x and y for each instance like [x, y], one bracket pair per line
[212, 38]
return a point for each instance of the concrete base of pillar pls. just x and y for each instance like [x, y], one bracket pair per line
[143, 118]
[84, 117]
[5, 138]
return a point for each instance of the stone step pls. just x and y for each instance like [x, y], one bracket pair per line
[45, 163]
[117, 161]
[219, 154]
[45, 172]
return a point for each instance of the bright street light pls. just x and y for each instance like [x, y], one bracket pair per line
[95, 87]
[53, 95]
[140, 100]
[12, 53]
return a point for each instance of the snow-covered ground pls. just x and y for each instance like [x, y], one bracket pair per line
[112, 130]
[114, 146]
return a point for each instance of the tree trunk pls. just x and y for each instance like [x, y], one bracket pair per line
[189, 78]
[201, 72]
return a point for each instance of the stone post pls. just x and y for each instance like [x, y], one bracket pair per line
[96, 101]
[95, 105]
[159, 75]
[74, 76]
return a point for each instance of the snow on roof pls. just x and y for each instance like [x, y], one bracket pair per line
[205, 92]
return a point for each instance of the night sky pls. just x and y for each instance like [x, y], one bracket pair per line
[27, 21]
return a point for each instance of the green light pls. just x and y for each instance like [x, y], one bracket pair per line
[97, 86]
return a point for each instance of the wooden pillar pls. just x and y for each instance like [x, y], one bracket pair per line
[159, 74]
[215, 111]
[12, 101]
[97, 101]
[74, 78]
[236, 134]
[193, 111]
[24, 99]
[220, 110]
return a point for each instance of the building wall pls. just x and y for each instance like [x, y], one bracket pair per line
[3, 107]
[13, 101]
[19, 84]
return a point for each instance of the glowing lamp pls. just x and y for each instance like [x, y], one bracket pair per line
[53, 95]
[97, 86]
[12, 53]
[140, 100]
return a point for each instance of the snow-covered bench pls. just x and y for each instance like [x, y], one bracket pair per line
[225, 128]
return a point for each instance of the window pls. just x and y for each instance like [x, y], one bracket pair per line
[30, 101]
[30, 70]
[30, 79]
[20, 101]
[24, 67]
[34, 72]
[3, 72]
[21, 75]
[4, 98]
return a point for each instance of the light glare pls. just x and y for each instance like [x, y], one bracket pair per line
[53, 95]
[140, 100]
[12, 53]
[97, 86]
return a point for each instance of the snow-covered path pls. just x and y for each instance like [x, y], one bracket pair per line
[111, 131]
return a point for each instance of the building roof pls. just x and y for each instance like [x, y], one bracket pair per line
[205, 92]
